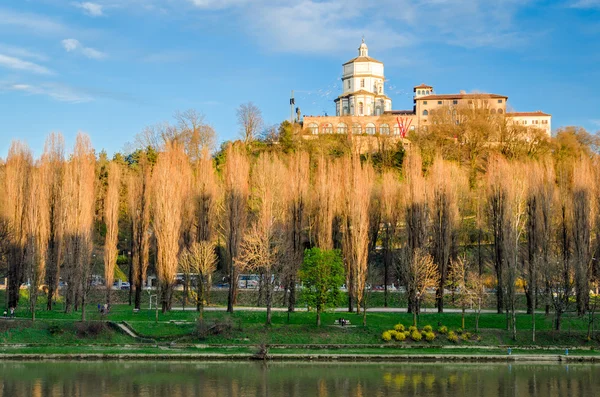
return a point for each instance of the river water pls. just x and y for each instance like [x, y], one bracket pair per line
[239, 379]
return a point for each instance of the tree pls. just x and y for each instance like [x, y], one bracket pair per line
[79, 221]
[139, 198]
[476, 285]
[16, 176]
[420, 275]
[322, 275]
[196, 135]
[170, 186]
[54, 160]
[201, 260]
[263, 248]
[390, 214]
[111, 220]
[446, 181]
[235, 183]
[250, 120]
[323, 203]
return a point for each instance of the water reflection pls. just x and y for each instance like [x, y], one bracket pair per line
[182, 379]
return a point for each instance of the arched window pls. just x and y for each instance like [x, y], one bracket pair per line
[396, 129]
[362, 83]
[384, 129]
[370, 129]
[493, 111]
[342, 128]
[361, 108]
[327, 129]
[425, 112]
[345, 111]
[356, 129]
[418, 92]
[313, 128]
[500, 111]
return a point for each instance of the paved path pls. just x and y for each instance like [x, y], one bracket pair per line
[342, 309]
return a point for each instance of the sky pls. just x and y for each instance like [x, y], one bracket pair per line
[109, 68]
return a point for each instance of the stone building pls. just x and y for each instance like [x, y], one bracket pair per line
[363, 107]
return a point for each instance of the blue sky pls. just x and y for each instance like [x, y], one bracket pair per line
[111, 67]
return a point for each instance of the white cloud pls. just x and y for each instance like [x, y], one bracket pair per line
[73, 45]
[55, 91]
[20, 52]
[91, 9]
[218, 4]
[30, 22]
[20, 64]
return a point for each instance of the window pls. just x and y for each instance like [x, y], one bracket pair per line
[356, 129]
[412, 127]
[524, 122]
[418, 92]
[439, 102]
[361, 108]
[424, 102]
[342, 128]
[493, 111]
[313, 128]
[370, 129]
[396, 130]
[345, 110]
[500, 111]
[455, 102]
[535, 122]
[425, 112]
[327, 128]
[349, 83]
[544, 121]
[380, 88]
[362, 83]
[499, 100]
[384, 129]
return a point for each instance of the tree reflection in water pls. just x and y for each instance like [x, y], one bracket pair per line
[240, 379]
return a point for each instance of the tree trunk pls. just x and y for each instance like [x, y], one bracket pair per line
[463, 318]
[292, 295]
[138, 290]
[318, 316]
[232, 286]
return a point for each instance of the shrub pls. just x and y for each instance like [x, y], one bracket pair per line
[416, 336]
[407, 334]
[429, 336]
[55, 329]
[215, 327]
[459, 331]
[393, 332]
[427, 328]
[412, 328]
[400, 336]
[399, 327]
[386, 336]
[89, 329]
[452, 337]
[466, 336]
[443, 330]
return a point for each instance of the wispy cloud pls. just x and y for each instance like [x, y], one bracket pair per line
[34, 23]
[21, 52]
[73, 45]
[55, 91]
[14, 63]
[91, 9]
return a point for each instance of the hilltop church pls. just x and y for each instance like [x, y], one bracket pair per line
[363, 107]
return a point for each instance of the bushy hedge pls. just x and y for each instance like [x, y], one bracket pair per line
[386, 336]
[399, 327]
[452, 337]
[416, 336]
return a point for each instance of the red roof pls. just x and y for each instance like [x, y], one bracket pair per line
[423, 86]
[526, 114]
[461, 96]
[362, 59]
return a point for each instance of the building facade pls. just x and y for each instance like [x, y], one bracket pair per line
[363, 107]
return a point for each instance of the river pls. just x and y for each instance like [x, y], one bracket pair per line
[302, 379]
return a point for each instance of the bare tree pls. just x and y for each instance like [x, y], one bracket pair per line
[446, 183]
[111, 220]
[38, 231]
[201, 261]
[196, 134]
[250, 120]
[54, 158]
[170, 187]
[390, 215]
[323, 203]
[420, 275]
[296, 202]
[357, 184]
[139, 210]
[235, 214]
[263, 247]
[79, 219]
[17, 174]
[583, 215]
